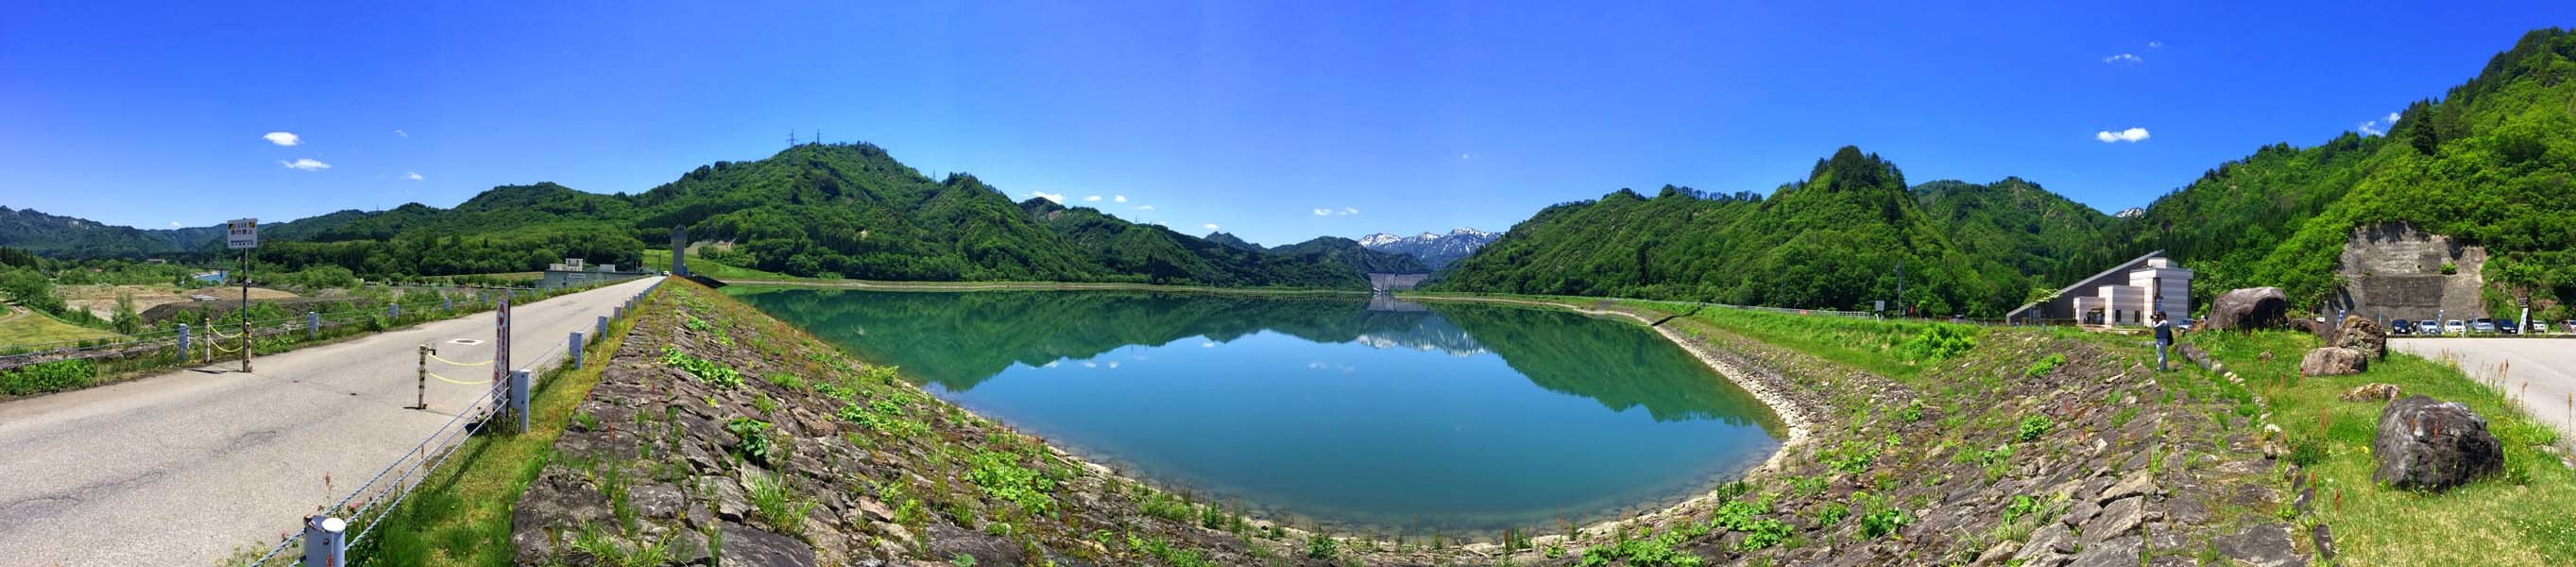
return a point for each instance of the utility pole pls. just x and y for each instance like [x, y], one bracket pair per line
[1900, 288]
[245, 310]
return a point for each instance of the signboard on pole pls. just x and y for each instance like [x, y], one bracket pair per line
[241, 234]
[501, 345]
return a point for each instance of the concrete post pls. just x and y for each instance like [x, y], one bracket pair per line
[446, 302]
[312, 325]
[619, 310]
[183, 343]
[422, 402]
[393, 310]
[519, 397]
[602, 329]
[576, 349]
[326, 542]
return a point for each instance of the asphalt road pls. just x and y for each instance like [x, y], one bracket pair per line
[2549, 364]
[186, 467]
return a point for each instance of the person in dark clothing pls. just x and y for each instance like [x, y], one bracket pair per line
[2164, 339]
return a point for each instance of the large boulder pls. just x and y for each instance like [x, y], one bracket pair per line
[2333, 361]
[2434, 445]
[2249, 308]
[2361, 334]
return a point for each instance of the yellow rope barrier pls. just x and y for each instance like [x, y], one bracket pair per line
[483, 363]
[456, 381]
[221, 335]
[220, 347]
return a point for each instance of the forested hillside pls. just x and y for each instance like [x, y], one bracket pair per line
[1832, 241]
[2490, 163]
[838, 210]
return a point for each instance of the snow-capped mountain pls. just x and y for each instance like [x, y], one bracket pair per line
[2130, 213]
[1436, 250]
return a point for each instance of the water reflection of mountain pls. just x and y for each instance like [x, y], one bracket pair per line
[958, 340]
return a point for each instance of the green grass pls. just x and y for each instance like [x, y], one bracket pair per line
[461, 513]
[2517, 517]
[1891, 348]
[26, 327]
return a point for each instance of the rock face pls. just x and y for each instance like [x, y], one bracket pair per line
[2431, 444]
[2333, 361]
[2374, 392]
[2361, 334]
[2249, 308]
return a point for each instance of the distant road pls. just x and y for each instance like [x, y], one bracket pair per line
[182, 468]
[2548, 364]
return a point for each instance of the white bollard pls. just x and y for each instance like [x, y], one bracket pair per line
[326, 542]
[519, 397]
[312, 325]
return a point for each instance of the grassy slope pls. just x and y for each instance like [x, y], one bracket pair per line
[26, 327]
[2516, 518]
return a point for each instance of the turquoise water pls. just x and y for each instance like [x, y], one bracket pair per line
[1382, 416]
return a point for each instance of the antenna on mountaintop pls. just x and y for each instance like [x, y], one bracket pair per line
[791, 138]
[818, 136]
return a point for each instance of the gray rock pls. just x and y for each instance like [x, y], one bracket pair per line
[2000, 553]
[2333, 361]
[2325, 543]
[688, 547]
[2250, 308]
[2361, 334]
[895, 532]
[2372, 392]
[748, 546]
[948, 541]
[2119, 519]
[2050, 542]
[2429, 444]
[731, 504]
[2265, 545]
[657, 500]
[2136, 484]
[2122, 552]
[2083, 511]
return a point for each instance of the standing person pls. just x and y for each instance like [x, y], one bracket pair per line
[2164, 339]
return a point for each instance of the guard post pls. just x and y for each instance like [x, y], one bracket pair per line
[519, 397]
[423, 402]
[312, 325]
[183, 343]
[326, 542]
[393, 310]
[576, 349]
[601, 330]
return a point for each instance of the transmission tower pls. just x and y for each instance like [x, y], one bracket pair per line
[791, 138]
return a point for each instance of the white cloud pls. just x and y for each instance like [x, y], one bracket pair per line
[2155, 45]
[1350, 211]
[1323, 212]
[1209, 226]
[2378, 127]
[1207, 344]
[1058, 198]
[1329, 212]
[1470, 156]
[1119, 198]
[2129, 135]
[1144, 207]
[414, 176]
[282, 138]
[2123, 58]
[1091, 199]
[399, 132]
[304, 164]
[1088, 364]
[174, 224]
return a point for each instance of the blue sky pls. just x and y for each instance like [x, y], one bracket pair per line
[1384, 116]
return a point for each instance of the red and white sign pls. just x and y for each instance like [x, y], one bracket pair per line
[241, 233]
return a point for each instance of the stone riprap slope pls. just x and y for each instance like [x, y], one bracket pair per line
[717, 430]
[2031, 447]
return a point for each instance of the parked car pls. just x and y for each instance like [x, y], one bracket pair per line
[2571, 325]
[2482, 325]
[2428, 327]
[2455, 327]
[2183, 324]
[2401, 327]
[2508, 326]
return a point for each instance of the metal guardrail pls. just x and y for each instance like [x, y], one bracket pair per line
[324, 537]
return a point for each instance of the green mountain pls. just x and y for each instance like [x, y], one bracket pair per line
[813, 210]
[2492, 163]
[1232, 240]
[2038, 233]
[1348, 252]
[1833, 241]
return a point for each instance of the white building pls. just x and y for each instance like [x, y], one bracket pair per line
[2153, 285]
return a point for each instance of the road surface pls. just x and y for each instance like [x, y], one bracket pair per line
[2549, 364]
[185, 467]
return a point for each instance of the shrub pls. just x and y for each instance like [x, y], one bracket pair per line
[757, 444]
[1936, 343]
[47, 377]
[717, 374]
[1001, 476]
[1320, 546]
[2041, 368]
[2032, 427]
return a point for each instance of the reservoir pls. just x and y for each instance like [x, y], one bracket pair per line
[1379, 415]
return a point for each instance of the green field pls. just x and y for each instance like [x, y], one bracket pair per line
[24, 327]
